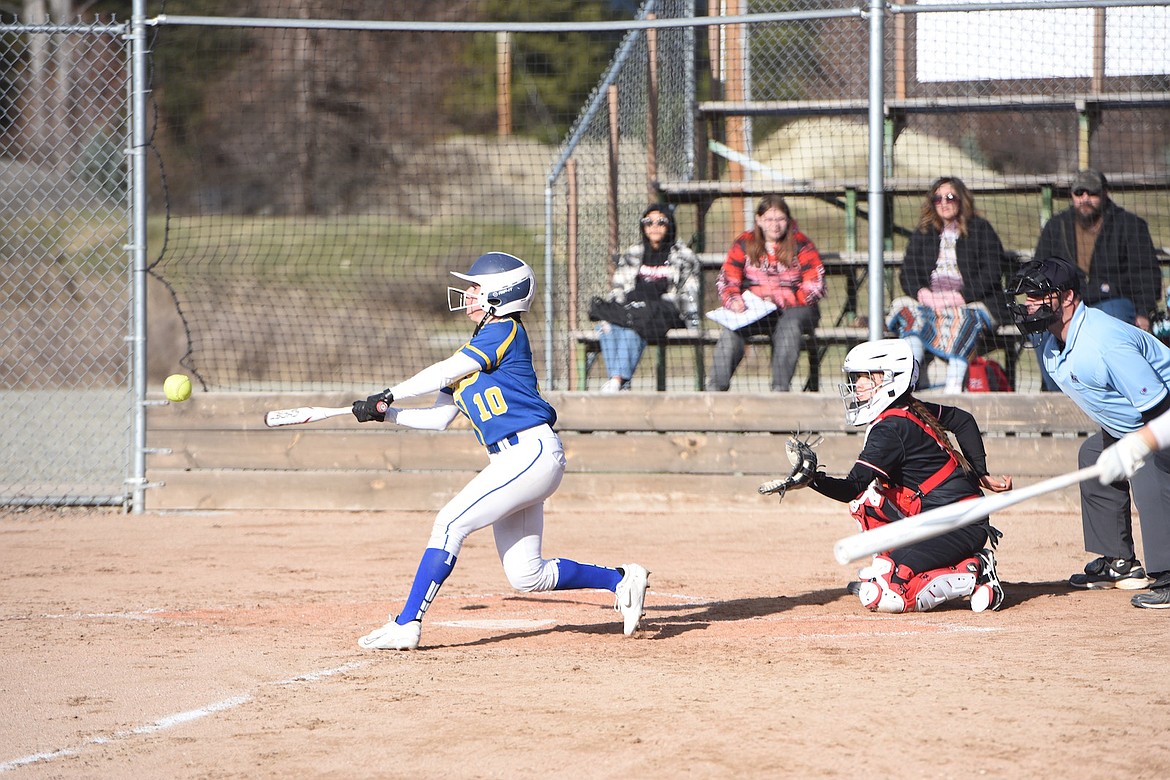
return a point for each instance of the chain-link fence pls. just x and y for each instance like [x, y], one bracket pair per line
[315, 178]
[1012, 102]
[65, 397]
[315, 208]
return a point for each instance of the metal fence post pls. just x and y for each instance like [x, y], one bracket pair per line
[137, 164]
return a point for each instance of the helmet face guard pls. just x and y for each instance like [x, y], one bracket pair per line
[879, 388]
[1035, 321]
[460, 300]
[890, 366]
[1046, 279]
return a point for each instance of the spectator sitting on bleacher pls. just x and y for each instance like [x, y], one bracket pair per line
[1111, 246]
[655, 287]
[953, 274]
[780, 265]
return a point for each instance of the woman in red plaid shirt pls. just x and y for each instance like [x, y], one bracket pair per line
[777, 263]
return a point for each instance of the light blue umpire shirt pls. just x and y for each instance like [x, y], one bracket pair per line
[1111, 369]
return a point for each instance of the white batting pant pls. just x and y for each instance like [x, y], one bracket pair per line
[509, 495]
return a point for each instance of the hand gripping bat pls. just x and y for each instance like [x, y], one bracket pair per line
[307, 414]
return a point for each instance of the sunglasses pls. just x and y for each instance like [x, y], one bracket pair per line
[950, 197]
[1081, 192]
[660, 222]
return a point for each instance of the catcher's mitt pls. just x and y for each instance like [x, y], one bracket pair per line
[804, 466]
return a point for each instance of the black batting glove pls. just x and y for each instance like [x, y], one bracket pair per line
[365, 411]
[373, 409]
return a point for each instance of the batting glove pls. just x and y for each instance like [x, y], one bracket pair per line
[373, 408]
[1123, 459]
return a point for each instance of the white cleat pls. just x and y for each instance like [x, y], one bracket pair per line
[631, 595]
[988, 592]
[393, 636]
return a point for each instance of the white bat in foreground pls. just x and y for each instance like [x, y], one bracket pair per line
[303, 414]
[940, 520]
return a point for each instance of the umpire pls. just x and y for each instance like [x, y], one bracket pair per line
[1119, 375]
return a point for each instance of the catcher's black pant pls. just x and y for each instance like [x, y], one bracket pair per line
[947, 550]
[1105, 509]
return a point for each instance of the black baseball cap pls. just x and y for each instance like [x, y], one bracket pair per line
[1090, 181]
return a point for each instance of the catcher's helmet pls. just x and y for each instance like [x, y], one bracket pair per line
[506, 285]
[1042, 279]
[890, 364]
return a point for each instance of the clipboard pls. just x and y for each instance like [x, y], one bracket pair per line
[756, 309]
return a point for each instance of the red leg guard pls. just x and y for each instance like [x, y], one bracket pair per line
[882, 593]
[927, 590]
[897, 589]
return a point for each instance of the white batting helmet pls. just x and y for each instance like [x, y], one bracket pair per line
[890, 364]
[506, 285]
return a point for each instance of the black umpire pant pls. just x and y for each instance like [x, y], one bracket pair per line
[1105, 509]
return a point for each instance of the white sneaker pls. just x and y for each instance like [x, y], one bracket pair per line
[393, 636]
[614, 385]
[630, 595]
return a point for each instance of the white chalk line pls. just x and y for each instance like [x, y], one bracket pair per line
[926, 629]
[171, 721]
[145, 614]
[497, 625]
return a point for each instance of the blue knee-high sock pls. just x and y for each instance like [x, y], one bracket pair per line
[574, 576]
[433, 569]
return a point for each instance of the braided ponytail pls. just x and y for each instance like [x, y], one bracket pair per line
[922, 413]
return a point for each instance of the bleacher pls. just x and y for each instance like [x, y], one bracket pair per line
[837, 329]
[720, 178]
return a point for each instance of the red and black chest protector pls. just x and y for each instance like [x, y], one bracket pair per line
[897, 501]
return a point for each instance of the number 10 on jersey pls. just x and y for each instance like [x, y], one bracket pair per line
[490, 403]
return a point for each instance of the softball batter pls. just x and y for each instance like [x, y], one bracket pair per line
[492, 381]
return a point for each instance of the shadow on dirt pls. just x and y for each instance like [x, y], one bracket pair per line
[666, 621]
[1017, 593]
[670, 620]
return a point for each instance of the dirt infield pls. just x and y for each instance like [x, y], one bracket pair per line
[222, 645]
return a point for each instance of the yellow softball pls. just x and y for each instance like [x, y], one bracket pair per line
[177, 387]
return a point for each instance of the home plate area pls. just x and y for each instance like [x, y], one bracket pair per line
[461, 620]
[493, 618]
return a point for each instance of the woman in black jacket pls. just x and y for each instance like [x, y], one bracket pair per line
[952, 275]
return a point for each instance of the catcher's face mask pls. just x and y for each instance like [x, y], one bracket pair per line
[860, 390]
[1037, 312]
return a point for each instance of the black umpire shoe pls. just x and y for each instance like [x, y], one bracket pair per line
[1104, 573]
[1159, 595]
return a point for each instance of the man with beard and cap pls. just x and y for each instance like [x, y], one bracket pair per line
[1113, 249]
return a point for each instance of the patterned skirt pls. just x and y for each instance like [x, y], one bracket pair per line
[947, 333]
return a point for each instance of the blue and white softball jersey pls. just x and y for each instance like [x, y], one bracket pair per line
[503, 397]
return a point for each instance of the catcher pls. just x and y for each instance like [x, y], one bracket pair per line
[908, 464]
